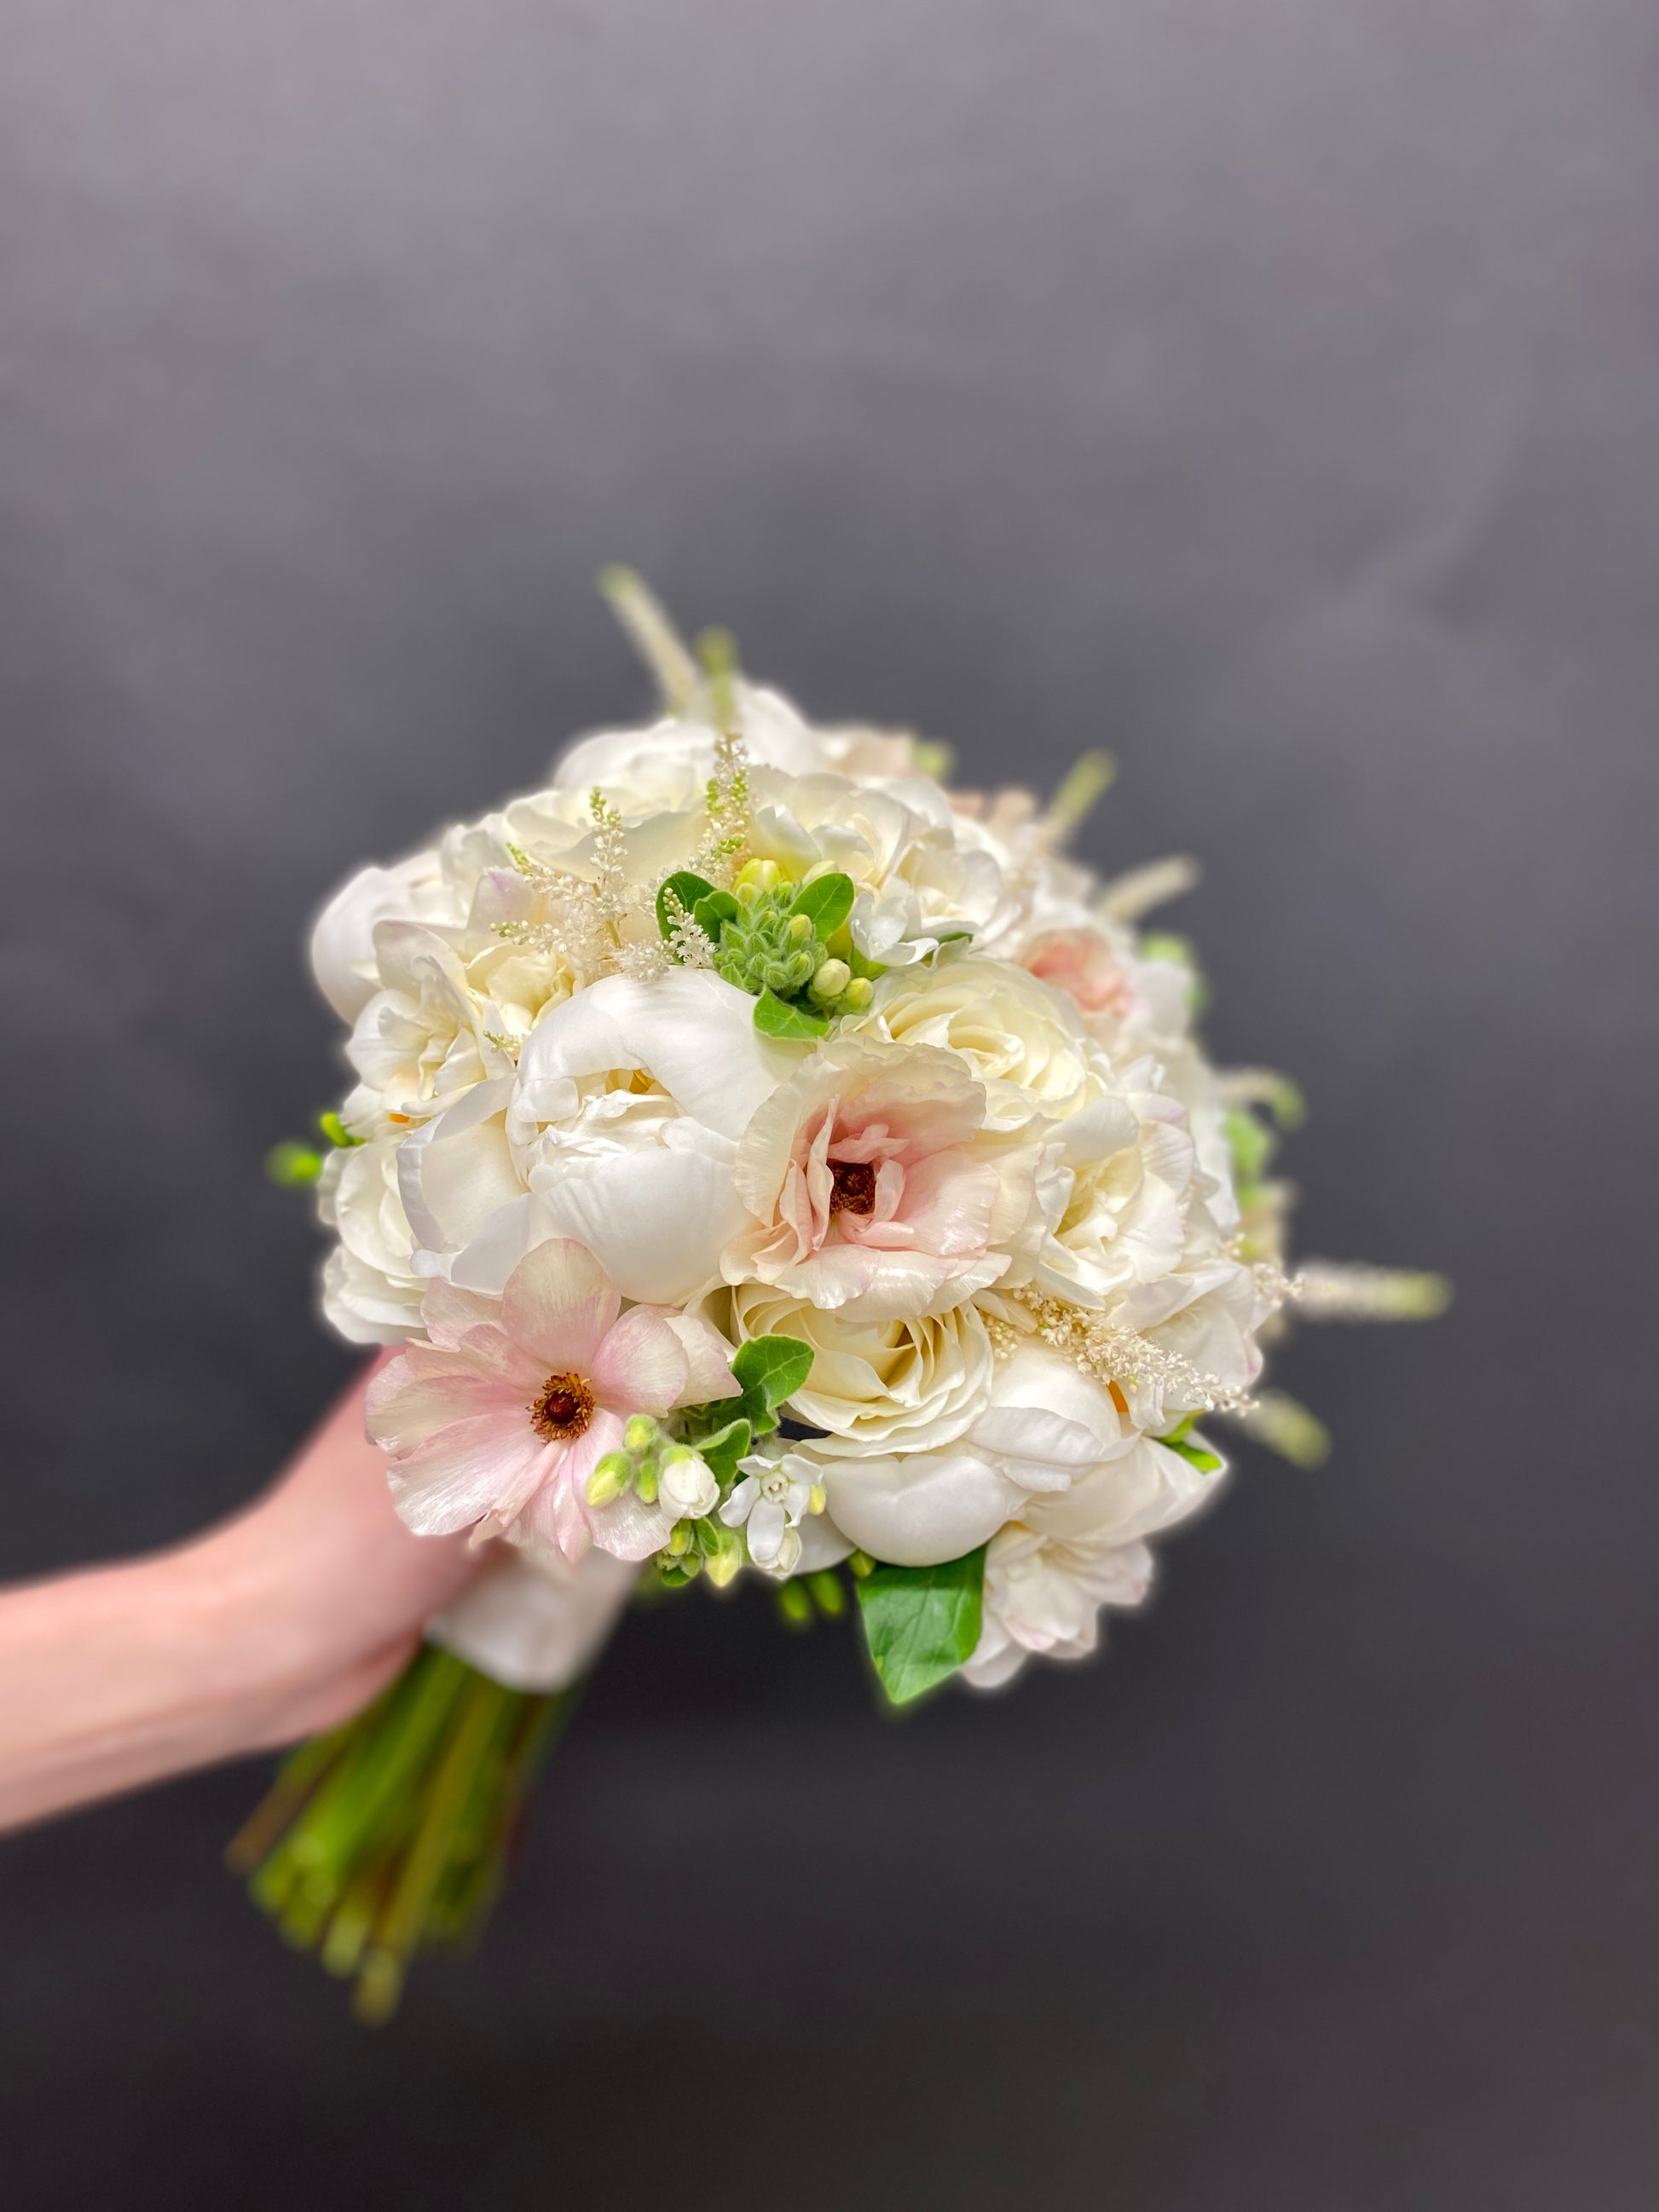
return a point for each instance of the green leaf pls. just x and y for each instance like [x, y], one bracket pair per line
[687, 887]
[921, 1623]
[779, 1017]
[826, 902]
[712, 912]
[1206, 1462]
[726, 1447]
[771, 1369]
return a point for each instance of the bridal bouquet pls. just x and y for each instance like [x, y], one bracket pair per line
[770, 1162]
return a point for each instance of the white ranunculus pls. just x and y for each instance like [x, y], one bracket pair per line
[1023, 1040]
[1126, 1219]
[533, 1622]
[1043, 1596]
[342, 937]
[904, 1385]
[914, 887]
[1070, 1551]
[423, 1039]
[371, 1291]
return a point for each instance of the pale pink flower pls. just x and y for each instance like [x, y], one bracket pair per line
[496, 1424]
[1080, 962]
[875, 1187]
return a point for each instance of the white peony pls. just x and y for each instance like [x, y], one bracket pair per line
[625, 1116]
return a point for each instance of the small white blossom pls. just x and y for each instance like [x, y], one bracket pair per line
[767, 1505]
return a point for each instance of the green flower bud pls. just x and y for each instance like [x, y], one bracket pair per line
[794, 1605]
[797, 928]
[641, 1433]
[645, 1483]
[609, 1478]
[858, 994]
[831, 980]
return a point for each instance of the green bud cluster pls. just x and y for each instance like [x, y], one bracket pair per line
[766, 947]
[699, 1547]
[637, 1467]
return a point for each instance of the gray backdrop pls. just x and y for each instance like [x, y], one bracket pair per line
[1269, 393]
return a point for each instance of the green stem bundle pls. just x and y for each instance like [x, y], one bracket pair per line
[388, 1836]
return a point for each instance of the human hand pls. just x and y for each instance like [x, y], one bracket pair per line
[282, 1620]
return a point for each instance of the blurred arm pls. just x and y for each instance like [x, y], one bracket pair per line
[281, 1622]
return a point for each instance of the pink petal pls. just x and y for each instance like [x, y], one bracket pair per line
[457, 1475]
[448, 1312]
[424, 1390]
[558, 1304]
[641, 1366]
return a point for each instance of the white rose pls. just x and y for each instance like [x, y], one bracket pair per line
[1024, 1042]
[1126, 1219]
[902, 1385]
[423, 1039]
[1044, 1427]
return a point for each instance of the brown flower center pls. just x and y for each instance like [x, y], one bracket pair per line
[855, 1186]
[563, 1410]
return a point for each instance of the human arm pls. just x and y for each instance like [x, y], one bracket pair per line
[281, 1622]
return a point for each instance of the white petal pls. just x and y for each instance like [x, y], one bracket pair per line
[657, 1220]
[692, 1030]
[535, 1625]
[919, 1511]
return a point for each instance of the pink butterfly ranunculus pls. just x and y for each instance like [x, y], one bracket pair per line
[496, 1424]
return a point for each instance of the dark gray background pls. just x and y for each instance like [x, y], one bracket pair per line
[1271, 393]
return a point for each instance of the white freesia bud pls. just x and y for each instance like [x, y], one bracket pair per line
[686, 1483]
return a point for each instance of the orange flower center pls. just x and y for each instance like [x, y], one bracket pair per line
[563, 1410]
[854, 1188]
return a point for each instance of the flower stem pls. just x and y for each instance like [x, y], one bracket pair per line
[390, 1834]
